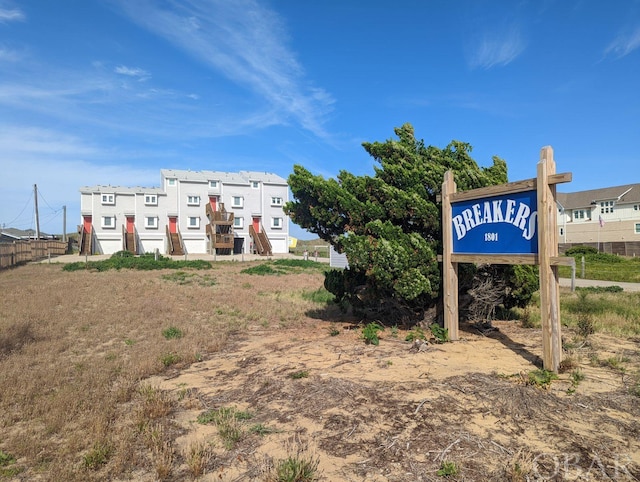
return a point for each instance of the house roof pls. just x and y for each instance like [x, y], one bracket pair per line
[242, 177]
[121, 190]
[22, 233]
[628, 193]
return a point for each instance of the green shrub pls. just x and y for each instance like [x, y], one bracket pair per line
[447, 469]
[172, 333]
[370, 333]
[143, 262]
[299, 374]
[169, 359]
[97, 456]
[541, 378]
[440, 334]
[580, 251]
[416, 333]
[296, 469]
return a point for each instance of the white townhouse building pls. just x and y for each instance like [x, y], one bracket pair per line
[607, 219]
[193, 212]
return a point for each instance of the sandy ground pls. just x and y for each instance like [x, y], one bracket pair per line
[397, 412]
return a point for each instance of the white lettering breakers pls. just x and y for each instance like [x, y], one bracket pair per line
[509, 211]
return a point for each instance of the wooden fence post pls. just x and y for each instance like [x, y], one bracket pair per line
[449, 268]
[548, 248]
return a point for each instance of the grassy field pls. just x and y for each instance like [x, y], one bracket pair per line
[606, 267]
[82, 352]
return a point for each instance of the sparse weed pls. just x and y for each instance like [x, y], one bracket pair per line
[197, 456]
[416, 333]
[97, 456]
[172, 333]
[447, 469]
[169, 359]
[614, 362]
[163, 459]
[299, 374]
[296, 468]
[8, 467]
[333, 331]
[156, 403]
[261, 429]
[228, 421]
[440, 334]
[585, 325]
[6, 459]
[541, 378]
[370, 333]
[567, 364]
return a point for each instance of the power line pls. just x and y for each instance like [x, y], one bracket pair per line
[21, 212]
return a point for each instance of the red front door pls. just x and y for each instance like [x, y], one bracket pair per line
[213, 200]
[256, 224]
[173, 225]
[87, 224]
[130, 224]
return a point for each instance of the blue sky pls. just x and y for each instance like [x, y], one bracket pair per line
[110, 92]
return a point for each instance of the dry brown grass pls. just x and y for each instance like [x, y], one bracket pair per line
[75, 347]
[92, 390]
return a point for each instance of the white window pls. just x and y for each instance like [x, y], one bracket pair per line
[213, 184]
[637, 228]
[193, 222]
[276, 201]
[276, 223]
[255, 184]
[580, 214]
[171, 182]
[237, 201]
[151, 199]
[238, 222]
[108, 199]
[108, 222]
[606, 207]
[151, 222]
[193, 200]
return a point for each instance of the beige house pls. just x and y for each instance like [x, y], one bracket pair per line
[607, 219]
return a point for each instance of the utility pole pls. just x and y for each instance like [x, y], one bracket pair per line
[64, 223]
[35, 194]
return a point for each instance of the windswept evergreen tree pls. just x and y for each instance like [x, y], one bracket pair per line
[388, 224]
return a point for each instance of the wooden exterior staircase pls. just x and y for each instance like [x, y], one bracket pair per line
[85, 244]
[129, 240]
[220, 230]
[176, 247]
[261, 243]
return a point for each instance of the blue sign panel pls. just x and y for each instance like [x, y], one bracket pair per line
[504, 224]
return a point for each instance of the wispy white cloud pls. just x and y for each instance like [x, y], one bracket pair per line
[495, 49]
[11, 15]
[624, 44]
[59, 164]
[247, 43]
[138, 73]
[8, 55]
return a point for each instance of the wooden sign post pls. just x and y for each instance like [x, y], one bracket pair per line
[513, 223]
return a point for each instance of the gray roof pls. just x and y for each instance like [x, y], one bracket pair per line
[121, 190]
[22, 233]
[242, 177]
[628, 193]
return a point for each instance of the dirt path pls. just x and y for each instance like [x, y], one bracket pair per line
[396, 412]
